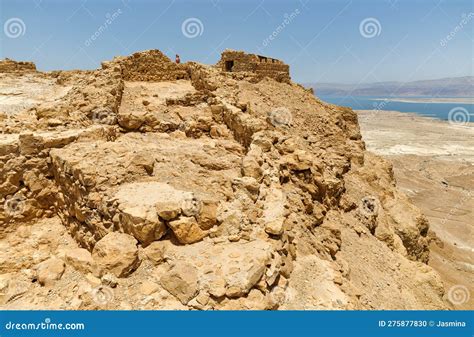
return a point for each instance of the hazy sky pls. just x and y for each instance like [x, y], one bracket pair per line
[323, 41]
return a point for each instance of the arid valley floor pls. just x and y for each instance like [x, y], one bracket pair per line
[434, 165]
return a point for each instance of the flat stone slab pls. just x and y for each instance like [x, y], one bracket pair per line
[224, 269]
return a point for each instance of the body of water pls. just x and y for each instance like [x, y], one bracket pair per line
[436, 110]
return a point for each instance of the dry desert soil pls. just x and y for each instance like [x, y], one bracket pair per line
[434, 165]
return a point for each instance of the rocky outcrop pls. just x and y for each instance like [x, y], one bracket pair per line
[207, 190]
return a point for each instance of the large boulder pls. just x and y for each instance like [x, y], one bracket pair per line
[117, 253]
[136, 205]
[49, 271]
[81, 259]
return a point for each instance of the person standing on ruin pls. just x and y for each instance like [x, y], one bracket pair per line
[178, 60]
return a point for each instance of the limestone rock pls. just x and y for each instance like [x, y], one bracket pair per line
[181, 281]
[207, 217]
[187, 230]
[148, 287]
[237, 188]
[138, 209]
[49, 271]
[273, 213]
[117, 253]
[233, 270]
[251, 167]
[217, 287]
[81, 259]
[155, 252]
[130, 121]
[168, 210]
[109, 280]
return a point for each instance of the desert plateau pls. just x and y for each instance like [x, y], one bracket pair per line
[147, 184]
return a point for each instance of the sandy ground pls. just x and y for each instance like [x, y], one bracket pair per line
[434, 165]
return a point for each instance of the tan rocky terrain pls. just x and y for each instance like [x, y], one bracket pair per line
[434, 165]
[150, 185]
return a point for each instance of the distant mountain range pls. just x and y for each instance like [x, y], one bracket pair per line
[444, 87]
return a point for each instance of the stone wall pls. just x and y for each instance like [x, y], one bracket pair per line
[149, 66]
[28, 189]
[10, 66]
[261, 66]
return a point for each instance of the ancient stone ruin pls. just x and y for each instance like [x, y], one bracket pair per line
[10, 66]
[150, 185]
[262, 66]
[153, 66]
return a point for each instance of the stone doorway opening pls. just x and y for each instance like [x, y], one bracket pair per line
[229, 65]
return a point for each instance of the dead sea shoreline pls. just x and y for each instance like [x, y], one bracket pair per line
[402, 133]
[441, 100]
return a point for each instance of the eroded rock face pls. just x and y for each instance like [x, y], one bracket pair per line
[27, 187]
[204, 188]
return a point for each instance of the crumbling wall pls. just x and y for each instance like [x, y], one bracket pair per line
[149, 66]
[93, 98]
[10, 66]
[261, 66]
[27, 187]
[241, 61]
[277, 71]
